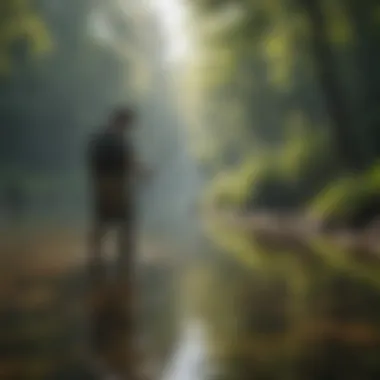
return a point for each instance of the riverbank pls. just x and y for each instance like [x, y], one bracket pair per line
[288, 229]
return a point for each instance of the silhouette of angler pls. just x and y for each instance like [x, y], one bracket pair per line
[112, 165]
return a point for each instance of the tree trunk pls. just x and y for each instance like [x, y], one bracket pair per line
[349, 148]
[366, 59]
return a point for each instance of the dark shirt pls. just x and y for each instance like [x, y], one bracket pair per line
[110, 156]
[111, 162]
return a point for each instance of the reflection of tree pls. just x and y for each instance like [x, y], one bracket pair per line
[327, 313]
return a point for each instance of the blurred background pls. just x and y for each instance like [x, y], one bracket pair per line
[261, 120]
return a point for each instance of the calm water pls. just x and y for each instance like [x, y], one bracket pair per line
[253, 312]
[290, 309]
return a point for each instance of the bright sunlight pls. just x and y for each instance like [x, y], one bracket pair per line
[173, 16]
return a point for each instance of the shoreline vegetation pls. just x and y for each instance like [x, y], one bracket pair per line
[258, 240]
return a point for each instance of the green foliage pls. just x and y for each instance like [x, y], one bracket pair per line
[261, 56]
[339, 28]
[337, 197]
[232, 188]
[341, 199]
[290, 173]
[376, 16]
[20, 22]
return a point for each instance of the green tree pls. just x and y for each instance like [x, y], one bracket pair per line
[271, 59]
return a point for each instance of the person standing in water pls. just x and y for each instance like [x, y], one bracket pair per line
[114, 169]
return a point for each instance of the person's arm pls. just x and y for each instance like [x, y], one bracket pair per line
[91, 153]
[138, 169]
[142, 171]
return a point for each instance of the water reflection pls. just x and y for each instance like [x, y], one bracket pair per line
[265, 309]
[189, 359]
[44, 319]
[301, 309]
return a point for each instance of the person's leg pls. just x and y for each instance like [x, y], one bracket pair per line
[125, 288]
[126, 247]
[96, 264]
[98, 292]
